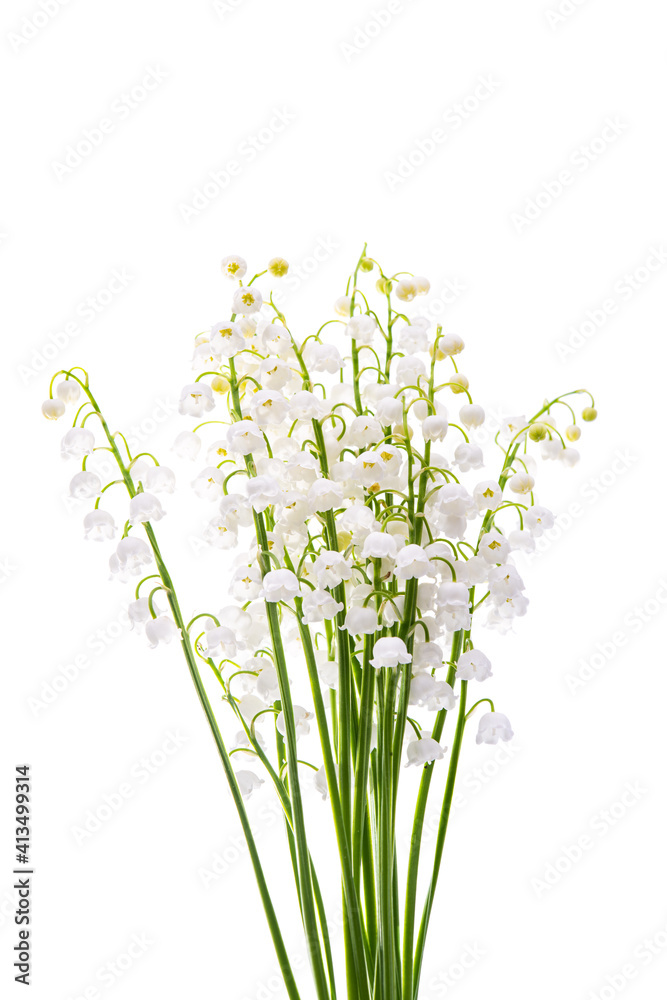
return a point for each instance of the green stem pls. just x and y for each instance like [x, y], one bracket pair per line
[416, 839]
[442, 832]
[188, 652]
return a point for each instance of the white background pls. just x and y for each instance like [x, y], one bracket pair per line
[356, 105]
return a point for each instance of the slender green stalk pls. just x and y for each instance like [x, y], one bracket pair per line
[442, 832]
[416, 838]
[188, 652]
[352, 909]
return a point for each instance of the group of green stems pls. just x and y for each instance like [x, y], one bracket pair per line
[362, 784]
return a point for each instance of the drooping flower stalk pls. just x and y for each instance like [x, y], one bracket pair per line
[359, 561]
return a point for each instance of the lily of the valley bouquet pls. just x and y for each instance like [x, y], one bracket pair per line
[374, 546]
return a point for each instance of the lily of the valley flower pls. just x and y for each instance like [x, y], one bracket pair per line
[98, 526]
[145, 507]
[85, 486]
[280, 585]
[389, 652]
[302, 719]
[78, 441]
[473, 665]
[161, 631]
[424, 751]
[494, 726]
[196, 400]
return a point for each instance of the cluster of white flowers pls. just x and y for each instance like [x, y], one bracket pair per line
[351, 455]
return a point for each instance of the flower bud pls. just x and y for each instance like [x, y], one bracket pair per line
[573, 433]
[406, 289]
[521, 482]
[220, 384]
[278, 267]
[366, 264]
[342, 306]
[383, 285]
[590, 413]
[68, 391]
[399, 431]
[53, 408]
[450, 344]
[458, 383]
[537, 432]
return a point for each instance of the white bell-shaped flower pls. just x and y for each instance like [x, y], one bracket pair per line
[471, 415]
[208, 484]
[434, 428]
[473, 665]
[426, 656]
[205, 358]
[389, 411]
[187, 445]
[68, 391]
[389, 652]
[468, 456]
[139, 613]
[246, 301]
[538, 520]
[450, 344]
[263, 491]
[319, 605]
[280, 585]
[362, 329]
[331, 568]
[433, 695]
[409, 370]
[220, 643]
[323, 358]
[131, 555]
[521, 483]
[379, 545]
[98, 526]
[85, 486]
[226, 339]
[245, 437]
[494, 547]
[494, 726]
[302, 719]
[159, 479]
[504, 582]
[161, 631]
[145, 507]
[423, 751]
[323, 495]
[320, 782]
[305, 405]
[196, 400]
[78, 441]
[487, 495]
[234, 267]
[361, 621]
[248, 782]
[412, 562]
[269, 408]
[53, 409]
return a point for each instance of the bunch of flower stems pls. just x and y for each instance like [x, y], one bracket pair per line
[364, 717]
